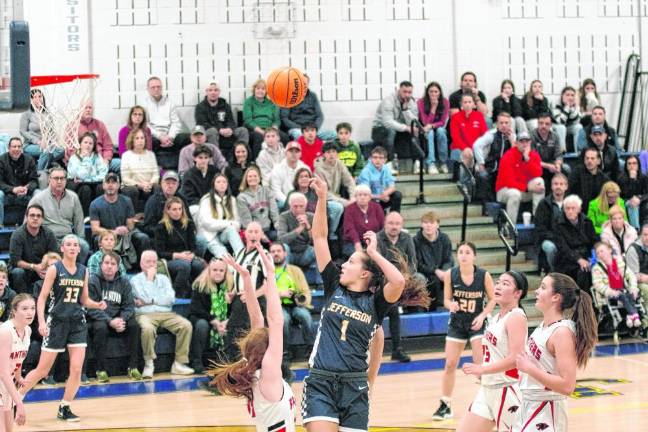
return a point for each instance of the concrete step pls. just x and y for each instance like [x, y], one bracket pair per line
[443, 211]
[473, 221]
[474, 234]
[497, 257]
[414, 178]
[498, 269]
[432, 200]
[430, 189]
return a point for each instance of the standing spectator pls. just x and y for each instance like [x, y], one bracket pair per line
[466, 126]
[175, 242]
[567, 117]
[27, 246]
[586, 180]
[547, 143]
[434, 111]
[62, 210]
[86, 171]
[598, 209]
[519, 177]
[154, 299]
[107, 240]
[468, 86]
[261, 114]
[208, 311]
[237, 166]
[271, 155]
[293, 229]
[509, 103]
[199, 179]
[433, 256]
[489, 150]
[575, 238]
[103, 141]
[218, 220]
[637, 261]
[6, 295]
[30, 129]
[589, 99]
[533, 104]
[307, 112]
[349, 151]
[136, 120]
[618, 233]
[283, 174]
[634, 190]
[548, 210]
[359, 217]
[380, 180]
[154, 208]
[257, 203]
[311, 145]
[199, 138]
[336, 175]
[215, 115]
[18, 177]
[584, 137]
[394, 115]
[607, 153]
[140, 172]
[117, 319]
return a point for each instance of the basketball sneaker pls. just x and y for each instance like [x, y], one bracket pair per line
[134, 374]
[444, 412]
[102, 377]
[181, 369]
[66, 414]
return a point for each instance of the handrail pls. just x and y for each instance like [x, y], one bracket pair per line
[420, 152]
[633, 66]
[504, 222]
[467, 198]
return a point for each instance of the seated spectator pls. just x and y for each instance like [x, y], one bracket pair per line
[349, 151]
[584, 138]
[218, 220]
[599, 207]
[215, 115]
[548, 210]
[634, 190]
[18, 177]
[566, 116]
[637, 263]
[261, 114]
[118, 319]
[175, 242]
[519, 177]
[154, 298]
[62, 210]
[27, 246]
[198, 138]
[30, 129]
[611, 281]
[154, 208]
[359, 217]
[307, 112]
[434, 111]
[609, 159]
[107, 240]
[164, 121]
[103, 142]
[208, 312]
[618, 233]
[534, 103]
[140, 172]
[136, 120]
[237, 166]
[293, 229]
[256, 203]
[466, 126]
[199, 179]
[6, 295]
[511, 104]
[586, 180]
[86, 171]
[380, 180]
[271, 155]
[433, 256]
[575, 238]
[547, 143]
[394, 115]
[468, 86]
[488, 151]
[283, 174]
[311, 145]
[114, 211]
[337, 176]
[589, 99]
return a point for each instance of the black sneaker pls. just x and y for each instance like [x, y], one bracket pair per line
[400, 355]
[66, 414]
[444, 412]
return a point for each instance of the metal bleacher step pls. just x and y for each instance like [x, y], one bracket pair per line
[442, 210]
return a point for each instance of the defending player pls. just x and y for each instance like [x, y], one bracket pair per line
[14, 344]
[553, 352]
[65, 291]
[498, 399]
[465, 287]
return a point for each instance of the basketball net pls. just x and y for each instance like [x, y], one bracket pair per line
[65, 98]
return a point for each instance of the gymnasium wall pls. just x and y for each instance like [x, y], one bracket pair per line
[356, 51]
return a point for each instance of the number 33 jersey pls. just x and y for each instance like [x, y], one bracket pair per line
[348, 323]
[65, 296]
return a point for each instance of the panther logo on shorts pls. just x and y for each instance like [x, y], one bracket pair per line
[541, 426]
[513, 409]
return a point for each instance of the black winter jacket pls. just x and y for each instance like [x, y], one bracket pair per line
[154, 210]
[117, 293]
[540, 106]
[586, 185]
[309, 111]
[195, 185]
[17, 173]
[513, 107]
[431, 256]
[609, 160]
[545, 216]
[178, 240]
[210, 116]
[573, 242]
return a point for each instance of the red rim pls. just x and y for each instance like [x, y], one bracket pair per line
[42, 80]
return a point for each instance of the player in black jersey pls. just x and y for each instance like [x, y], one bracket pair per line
[65, 291]
[465, 287]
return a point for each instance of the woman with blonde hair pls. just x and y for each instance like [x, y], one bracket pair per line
[257, 203]
[600, 206]
[534, 103]
[260, 114]
[140, 172]
[617, 232]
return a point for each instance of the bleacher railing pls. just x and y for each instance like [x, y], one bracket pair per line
[508, 233]
[466, 186]
[631, 83]
[419, 148]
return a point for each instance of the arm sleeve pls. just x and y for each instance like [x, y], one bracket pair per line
[632, 260]
[331, 279]
[285, 119]
[446, 113]
[284, 235]
[447, 253]
[176, 124]
[167, 297]
[381, 304]
[94, 291]
[78, 219]
[16, 248]
[386, 116]
[275, 185]
[360, 162]
[349, 230]
[229, 117]
[102, 170]
[482, 147]
[200, 115]
[128, 301]
[199, 307]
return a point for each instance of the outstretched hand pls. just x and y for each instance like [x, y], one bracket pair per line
[319, 186]
[227, 259]
[268, 265]
[372, 242]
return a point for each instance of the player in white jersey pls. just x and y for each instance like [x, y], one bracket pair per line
[498, 399]
[257, 375]
[554, 351]
[14, 344]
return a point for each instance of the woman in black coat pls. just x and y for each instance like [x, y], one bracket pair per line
[634, 191]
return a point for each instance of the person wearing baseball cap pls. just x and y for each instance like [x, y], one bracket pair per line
[609, 157]
[198, 138]
[154, 208]
[283, 174]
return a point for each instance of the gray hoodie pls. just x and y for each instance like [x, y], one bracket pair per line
[267, 160]
[259, 206]
[392, 115]
[117, 293]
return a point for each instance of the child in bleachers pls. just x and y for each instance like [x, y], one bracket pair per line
[272, 153]
[380, 180]
[107, 240]
[6, 293]
[311, 145]
[348, 151]
[86, 170]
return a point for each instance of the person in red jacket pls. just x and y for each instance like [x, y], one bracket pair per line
[311, 145]
[465, 127]
[520, 177]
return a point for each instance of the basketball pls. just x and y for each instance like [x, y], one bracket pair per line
[286, 87]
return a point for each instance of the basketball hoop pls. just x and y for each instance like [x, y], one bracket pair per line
[65, 97]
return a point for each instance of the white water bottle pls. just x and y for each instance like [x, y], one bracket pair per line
[395, 162]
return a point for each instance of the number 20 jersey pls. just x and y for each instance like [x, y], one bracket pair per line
[65, 296]
[469, 297]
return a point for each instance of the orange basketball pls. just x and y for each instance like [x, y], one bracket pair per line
[286, 87]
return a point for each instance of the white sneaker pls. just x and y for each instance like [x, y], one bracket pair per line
[432, 169]
[149, 369]
[180, 369]
[444, 169]
[417, 167]
[391, 168]
[629, 321]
